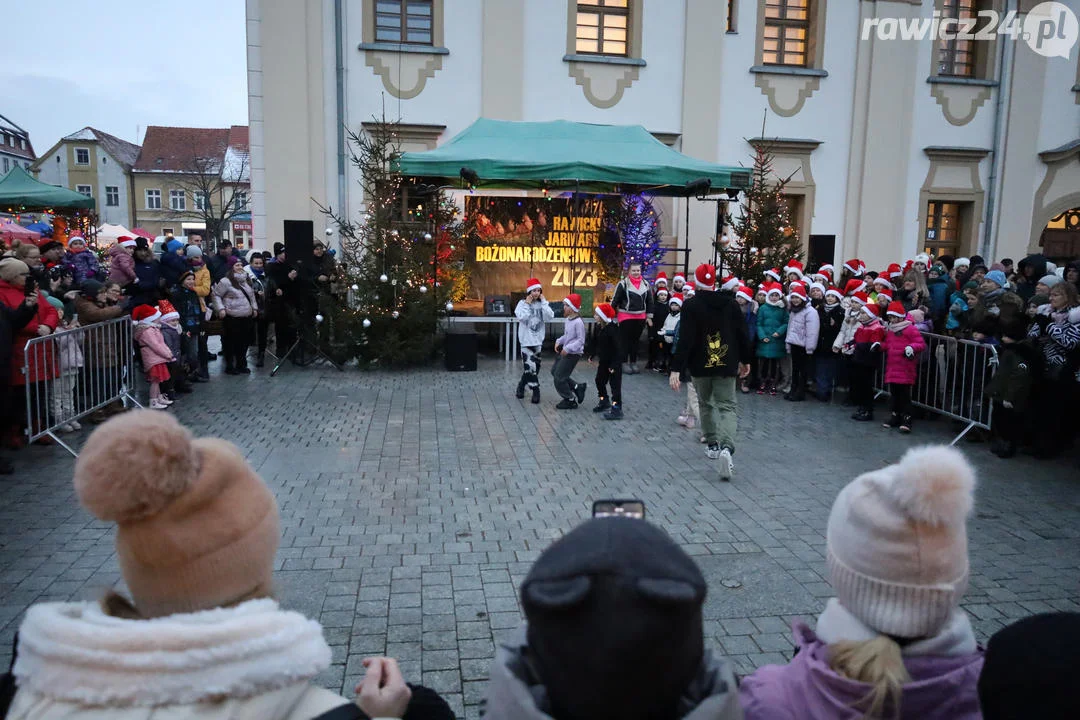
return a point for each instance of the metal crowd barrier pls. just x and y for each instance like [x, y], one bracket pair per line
[72, 373]
[953, 374]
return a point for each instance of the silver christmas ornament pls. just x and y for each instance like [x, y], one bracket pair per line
[395, 314]
[367, 323]
[383, 278]
[427, 237]
[355, 287]
[449, 306]
[423, 288]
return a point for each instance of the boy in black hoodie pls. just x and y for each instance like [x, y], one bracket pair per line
[831, 316]
[1010, 389]
[606, 348]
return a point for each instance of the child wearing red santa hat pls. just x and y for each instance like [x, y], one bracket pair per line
[155, 353]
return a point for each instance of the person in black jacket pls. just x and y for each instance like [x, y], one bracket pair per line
[633, 303]
[11, 321]
[831, 315]
[606, 348]
[714, 346]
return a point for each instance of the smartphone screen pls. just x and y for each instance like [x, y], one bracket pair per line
[619, 508]
[30, 286]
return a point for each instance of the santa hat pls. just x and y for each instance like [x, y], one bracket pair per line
[661, 279]
[793, 266]
[871, 310]
[126, 241]
[908, 265]
[168, 312]
[662, 291]
[573, 301]
[923, 258]
[861, 297]
[145, 314]
[533, 284]
[854, 286]
[885, 292]
[820, 286]
[680, 275]
[854, 266]
[76, 240]
[797, 291]
[835, 292]
[961, 262]
[676, 299]
[730, 283]
[896, 309]
[604, 312]
[774, 289]
[896, 544]
[773, 273]
[883, 279]
[688, 291]
[705, 276]
[827, 268]
[745, 293]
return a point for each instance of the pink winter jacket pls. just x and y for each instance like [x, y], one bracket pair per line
[121, 266]
[899, 368]
[152, 346]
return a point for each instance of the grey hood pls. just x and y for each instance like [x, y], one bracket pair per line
[515, 693]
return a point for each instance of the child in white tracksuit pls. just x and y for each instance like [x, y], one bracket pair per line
[532, 313]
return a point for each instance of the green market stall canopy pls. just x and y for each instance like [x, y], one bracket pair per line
[564, 154]
[19, 190]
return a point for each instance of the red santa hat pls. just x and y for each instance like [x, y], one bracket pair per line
[819, 285]
[573, 301]
[894, 271]
[168, 312]
[896, 309]
[730, 283]
[662, 290]
[885, 293]
[745, 293]
[705, 276]
[126, 241]
[854, 286]
[827, 268]
[676, 299]
[835, 292]
[774, 288]
[604, 312]
[923, 258]
[533, 284]
[680, 275]
[908, 265]
[661, 279]
[855, 267]
[861, 298]
[797, 291]
[793, 266]
[883, 280]
[688, 290]
[145, 314]
[773, 273]
[871, 310]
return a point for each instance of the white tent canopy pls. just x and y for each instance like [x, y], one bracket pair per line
[107, 234]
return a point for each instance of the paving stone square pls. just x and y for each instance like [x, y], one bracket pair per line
[413, 504]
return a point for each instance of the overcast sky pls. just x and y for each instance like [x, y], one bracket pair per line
[120, 65]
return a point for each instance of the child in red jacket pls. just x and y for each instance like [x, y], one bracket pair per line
[865, 354]
[903, 343]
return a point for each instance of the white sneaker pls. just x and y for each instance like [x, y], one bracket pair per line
[66, 428]
[165, 401]
[727, 465]
[75, 424]
[155, 404]
[682, 420]
[712, 452]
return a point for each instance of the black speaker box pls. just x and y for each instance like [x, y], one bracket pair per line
[460, 351]
[300, 242]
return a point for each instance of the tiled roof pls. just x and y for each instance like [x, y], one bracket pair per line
[122, 151]
[174, 149]
[237, 167]
[11, 128]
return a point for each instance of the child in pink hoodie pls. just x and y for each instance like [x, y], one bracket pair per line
[154, 352]
[903, 343]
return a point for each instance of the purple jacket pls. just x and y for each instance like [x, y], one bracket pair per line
[85, 265]
[942, 688]
[899, 368]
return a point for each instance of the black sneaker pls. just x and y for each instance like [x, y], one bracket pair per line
[614, 413]
[602, 405]
[536, 396]
[520, 392]
[579, 391]
[893, 422]
[566, 404]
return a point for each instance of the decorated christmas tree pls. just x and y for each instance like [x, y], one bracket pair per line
[400, 264]
[765, 235]
[632, 233]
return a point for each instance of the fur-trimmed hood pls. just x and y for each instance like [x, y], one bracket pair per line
[75, 654]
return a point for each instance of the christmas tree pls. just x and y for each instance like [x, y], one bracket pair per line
[401, 264]
[766, 237]
[632, 234]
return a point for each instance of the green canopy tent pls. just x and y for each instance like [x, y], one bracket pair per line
[564, 154]
[20, 191]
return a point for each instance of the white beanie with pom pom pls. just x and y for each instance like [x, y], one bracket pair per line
[897, 542]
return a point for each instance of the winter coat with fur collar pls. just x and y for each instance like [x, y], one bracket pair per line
[250, 662]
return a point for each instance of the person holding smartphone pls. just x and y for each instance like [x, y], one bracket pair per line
[12, 321]
[532, 313]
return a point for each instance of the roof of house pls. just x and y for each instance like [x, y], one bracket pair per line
[237, 167]
[122, 151]
[11, 128]
[181, 149]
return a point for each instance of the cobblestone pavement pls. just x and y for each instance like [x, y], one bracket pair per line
[413, 504]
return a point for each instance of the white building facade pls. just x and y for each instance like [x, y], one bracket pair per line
[893, 146]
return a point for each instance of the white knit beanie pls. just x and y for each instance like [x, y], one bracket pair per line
[897, 542]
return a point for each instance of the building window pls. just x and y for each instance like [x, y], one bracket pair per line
[177, 200]
[112, 195]
[603, 28]
[732, 7]
[26, 166]
[7, 165]
[240, 199]
[199, 198]
[22, 144]
[82, 156]
[957, 58]
[153, 199]
[787, 29]
[404, 21]
[943, 228]
[167, 232]
[85, 190]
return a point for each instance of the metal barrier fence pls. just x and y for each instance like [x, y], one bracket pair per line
[952, 376]
[72, 373]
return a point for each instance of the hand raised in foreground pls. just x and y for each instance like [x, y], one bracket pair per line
[383, 692]
[673, 381]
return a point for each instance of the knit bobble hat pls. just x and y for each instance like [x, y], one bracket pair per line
[196, 527]
[997, 277]
[897, 542]
[193, 251]
[614, 613]
[10, 268]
